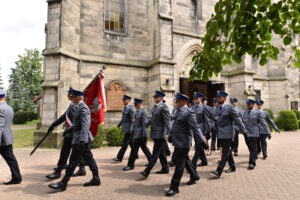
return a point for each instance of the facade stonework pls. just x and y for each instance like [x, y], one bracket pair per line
[153, 53]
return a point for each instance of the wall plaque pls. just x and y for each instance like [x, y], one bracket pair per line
[114, 96]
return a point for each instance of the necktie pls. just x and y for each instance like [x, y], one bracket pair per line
[249, 111]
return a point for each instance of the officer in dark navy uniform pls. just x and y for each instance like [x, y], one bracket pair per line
[183, 129]
[67, 119]
[126, 121]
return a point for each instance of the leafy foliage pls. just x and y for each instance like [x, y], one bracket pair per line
[297, 112]
[20, 117]
[241, 27]
[270, 112]
[25, 80]
[114, 136]
[99, 139]
[287, 120]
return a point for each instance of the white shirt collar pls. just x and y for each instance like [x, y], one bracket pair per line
[184, 107]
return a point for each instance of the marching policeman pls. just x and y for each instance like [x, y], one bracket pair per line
[67, 119]
[7, 139]
[253, 119]
[160, 122]
[264, 132]
[203, 123]
[226, 114]
[183, 129]
[213, 125]
[235, 144]
[126, 120]
[81, 138]
[139, 133]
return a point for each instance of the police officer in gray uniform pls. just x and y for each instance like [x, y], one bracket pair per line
[203, 123]
[253, 119]
[81, 138]
[226, 114]
[7, 140]
[126, 120]
[213, 124]
[139, 133]
[160, 122]
[67, 119]
[264, 132]
[183, 129]
[235, 144]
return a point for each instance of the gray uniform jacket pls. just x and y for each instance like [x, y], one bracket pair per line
[240, 113]
[184, 128]
[252, 122]
[139, 124]
[62, 119]
[126, 120]
[265, 130]
[81, 124]
[203, 117]
[160, 121]
[6, 117]
[213, 121]
[225, 117]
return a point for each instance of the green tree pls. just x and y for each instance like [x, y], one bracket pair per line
[240, 27]
[25, 80]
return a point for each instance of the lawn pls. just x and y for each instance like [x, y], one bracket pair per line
[23, 138]
[31, 123]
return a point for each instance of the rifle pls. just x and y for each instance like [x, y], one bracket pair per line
[40, 142]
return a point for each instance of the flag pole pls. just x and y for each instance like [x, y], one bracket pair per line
[100, 72]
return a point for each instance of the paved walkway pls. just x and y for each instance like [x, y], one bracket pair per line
[276, 178]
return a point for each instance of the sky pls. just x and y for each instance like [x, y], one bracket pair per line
[22, 25]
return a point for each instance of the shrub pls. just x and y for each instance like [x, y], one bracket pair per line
[297, 112]
[31, 116]
[299, 123]
[20, 117]
[114, 136]
[270, 112]
[99, 139]
[287, 120]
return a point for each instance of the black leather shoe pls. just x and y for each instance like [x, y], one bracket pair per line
[171, 164]
[251, 167]
[230, 170]
[13, 181]
[145, 174]
[95, 181]
[202, 164]
[117, 160]
[128, 168]
[58, 186]
[193, 181]
[265, 157]
[219, 161]
[162, 172]
[216, 173]
[53, 176]
[80, 172]
[235, 154]
[171, 193]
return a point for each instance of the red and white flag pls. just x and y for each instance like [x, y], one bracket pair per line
[96, 101]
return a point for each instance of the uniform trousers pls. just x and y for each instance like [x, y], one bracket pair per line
[252, 145]
[80, 151]
[213, 140]
[199, 153]
[9, 157]
[158, 152]
[136, 144]
[226, 155]
[126, 142]
[182, 161]
[262, 144]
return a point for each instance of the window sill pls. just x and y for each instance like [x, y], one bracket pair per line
[115, 33]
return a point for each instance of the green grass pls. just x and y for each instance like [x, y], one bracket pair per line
[23, 138]
[31, 123]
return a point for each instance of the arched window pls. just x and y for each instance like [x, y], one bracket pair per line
[114, 15]
[194, 8]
